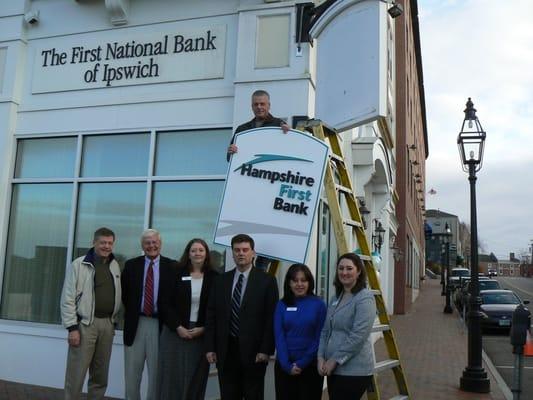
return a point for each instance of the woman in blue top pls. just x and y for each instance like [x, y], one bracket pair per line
[345, 354]
[298, 321]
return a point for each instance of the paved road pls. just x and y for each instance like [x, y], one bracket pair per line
[522, 286]
[498, 347]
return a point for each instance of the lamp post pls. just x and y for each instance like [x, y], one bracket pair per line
[471, 141]
[446, 240]
[442, 264]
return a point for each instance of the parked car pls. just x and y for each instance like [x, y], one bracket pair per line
[497, 308]
[456, 275]
[461, 294]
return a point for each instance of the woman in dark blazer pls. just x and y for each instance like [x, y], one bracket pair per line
[184, 369]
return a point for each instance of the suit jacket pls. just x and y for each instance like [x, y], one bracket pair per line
[270, 121]
[132, 290]
[256, 317]
[177, 310]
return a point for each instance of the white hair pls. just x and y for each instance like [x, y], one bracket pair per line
[149, 233]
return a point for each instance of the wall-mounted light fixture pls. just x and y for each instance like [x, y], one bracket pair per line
[395, 10]
[377, 235]
[363, 210]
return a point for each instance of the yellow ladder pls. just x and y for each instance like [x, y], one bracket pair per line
[334, 193]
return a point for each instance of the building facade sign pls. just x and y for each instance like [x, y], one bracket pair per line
[123, 58]
[272, 189]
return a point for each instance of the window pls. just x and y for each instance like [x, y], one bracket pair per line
[55, 208]
[272, 41]
[115, 155]
[50, 158]
[36, 252]
[327, 255]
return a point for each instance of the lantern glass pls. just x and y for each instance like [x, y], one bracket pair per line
[471, 139]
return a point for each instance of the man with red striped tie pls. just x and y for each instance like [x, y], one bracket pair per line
[146, 282]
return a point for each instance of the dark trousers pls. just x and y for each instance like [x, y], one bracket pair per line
[238, 381]
[306, 386]
[342, 387]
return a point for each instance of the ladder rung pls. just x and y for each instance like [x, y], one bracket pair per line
[365, 257]
[400, 397]
[380, 328]
[353, 222]
[376, 292]
[344, 189]
[335, 157]
[385, 365]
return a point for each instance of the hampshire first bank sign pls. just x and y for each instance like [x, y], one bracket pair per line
[121, 58]
[272, 189]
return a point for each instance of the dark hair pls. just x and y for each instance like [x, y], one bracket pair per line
[242, 238]
[260, 92]
[103, 231]
[288, 295]
[361, 280]
[185, 261]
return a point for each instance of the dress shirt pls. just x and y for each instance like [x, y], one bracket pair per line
[155, 268]
[196, 291]
[245, 274]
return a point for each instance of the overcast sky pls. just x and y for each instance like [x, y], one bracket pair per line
[481, 49]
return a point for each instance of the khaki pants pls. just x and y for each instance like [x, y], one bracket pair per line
[93, 354]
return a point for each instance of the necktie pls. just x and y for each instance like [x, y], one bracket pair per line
[235, 306]
[148, 307]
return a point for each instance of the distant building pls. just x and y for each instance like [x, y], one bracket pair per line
[487, 262]
[510, 267]
[436, 221]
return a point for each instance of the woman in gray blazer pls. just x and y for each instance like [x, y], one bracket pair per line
[345, 353]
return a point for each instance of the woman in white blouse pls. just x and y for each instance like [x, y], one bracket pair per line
[184, 369]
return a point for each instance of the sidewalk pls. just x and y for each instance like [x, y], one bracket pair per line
[19, 391]
[433, 351]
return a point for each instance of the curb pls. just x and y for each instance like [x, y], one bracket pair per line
[497, 377]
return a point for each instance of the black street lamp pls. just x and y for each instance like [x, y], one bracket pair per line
[442, 264]
[446, 240]
[471, 141]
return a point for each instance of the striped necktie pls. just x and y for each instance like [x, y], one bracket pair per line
[148, 307]
[235, 306]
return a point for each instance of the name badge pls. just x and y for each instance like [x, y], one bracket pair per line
[185, 278]
[292, 308]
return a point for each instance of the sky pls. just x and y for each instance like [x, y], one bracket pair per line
[481, 49]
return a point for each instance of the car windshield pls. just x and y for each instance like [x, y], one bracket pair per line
[499, 298]
[460, 272]
[488, 285]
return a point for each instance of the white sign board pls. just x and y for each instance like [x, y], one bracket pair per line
[272, 189]
[351, 72]
[125, 57]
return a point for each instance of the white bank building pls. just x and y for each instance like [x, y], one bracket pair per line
[118, 113]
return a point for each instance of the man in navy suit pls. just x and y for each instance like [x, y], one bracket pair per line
[239, 325]
[145, 286]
